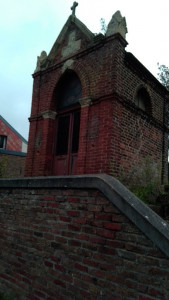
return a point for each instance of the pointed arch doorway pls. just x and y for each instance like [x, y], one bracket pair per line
[67, 94]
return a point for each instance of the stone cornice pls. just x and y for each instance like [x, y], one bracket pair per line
[49, 114]
[85, 101]
[138, 68]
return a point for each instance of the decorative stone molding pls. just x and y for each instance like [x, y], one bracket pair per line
[41, 61]
[72, 19]
[67, 65]
[73, 45]
[117, 25]
[49, 114]
[85, 101]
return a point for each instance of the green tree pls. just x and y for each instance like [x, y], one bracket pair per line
[103, 26]
[163, 75]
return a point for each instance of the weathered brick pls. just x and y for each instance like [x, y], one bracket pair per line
[112, 226]
[97, 240]
[105, 233]
[75, 200]
[65, 219]
[59, 283]
[48, 264]
[94, 208]
[69, 259]
[81, 267]
[73, 213]
[79, 220]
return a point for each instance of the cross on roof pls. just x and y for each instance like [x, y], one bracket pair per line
[73, 8]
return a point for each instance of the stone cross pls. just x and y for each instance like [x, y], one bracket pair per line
[73, 8]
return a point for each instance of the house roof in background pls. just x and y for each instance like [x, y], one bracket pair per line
[15, 131]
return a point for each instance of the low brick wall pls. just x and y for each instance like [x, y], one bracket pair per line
[80, 237]
[12, 164]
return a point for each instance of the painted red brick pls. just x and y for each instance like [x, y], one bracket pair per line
[115, 136]
[112, 226]
[14, 142]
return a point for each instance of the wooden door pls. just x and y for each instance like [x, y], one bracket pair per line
[67, 142]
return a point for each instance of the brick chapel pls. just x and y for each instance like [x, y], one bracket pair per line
[95, 107]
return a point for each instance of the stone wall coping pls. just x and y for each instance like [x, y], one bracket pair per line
[152, 225]
[14, 153]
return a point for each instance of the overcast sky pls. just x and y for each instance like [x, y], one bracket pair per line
[29, 26]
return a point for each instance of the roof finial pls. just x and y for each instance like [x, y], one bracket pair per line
[73, 8]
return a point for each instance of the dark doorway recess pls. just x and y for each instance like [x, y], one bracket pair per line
[65, 159]
[67, 95]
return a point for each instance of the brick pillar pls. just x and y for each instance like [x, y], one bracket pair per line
[81, 163]
[47, 141]
[31, 147]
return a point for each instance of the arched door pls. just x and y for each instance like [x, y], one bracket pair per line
[67, 95]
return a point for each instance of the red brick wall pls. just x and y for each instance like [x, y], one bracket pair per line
[14, 143]
[108, 141]
[58, 243]
[140, 139]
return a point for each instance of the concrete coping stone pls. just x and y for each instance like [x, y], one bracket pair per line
[14, 153]
[152, 225]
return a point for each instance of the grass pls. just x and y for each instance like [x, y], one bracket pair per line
[145, 193]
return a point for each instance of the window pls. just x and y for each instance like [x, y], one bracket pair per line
[3, 140]
[75, 133]
[63, 135]
[68, 90]
[68, 133]
[142, 100]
